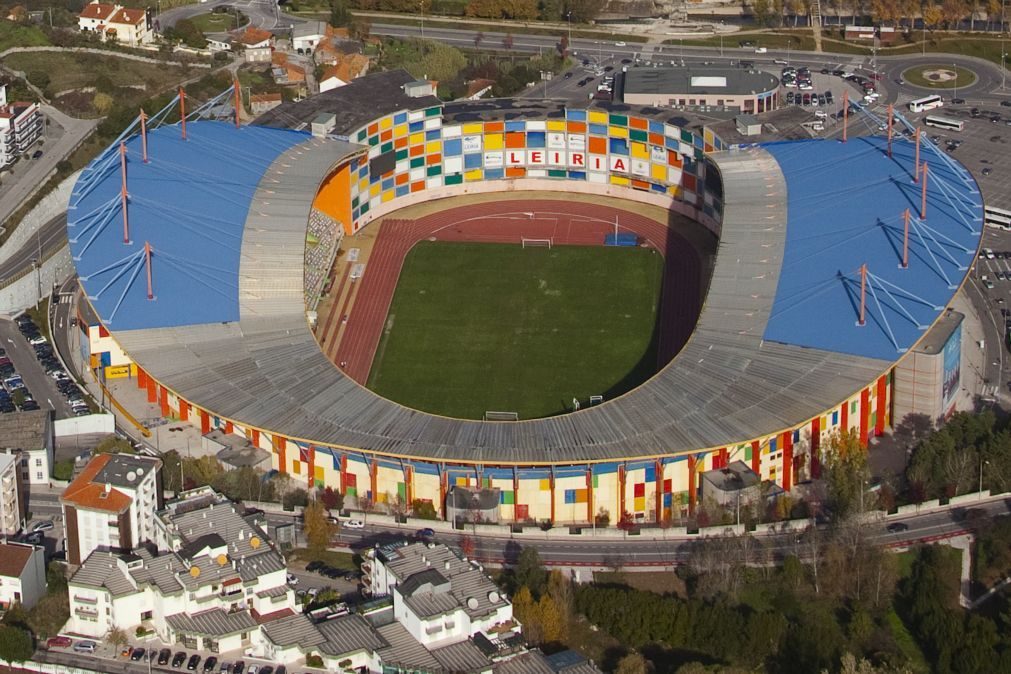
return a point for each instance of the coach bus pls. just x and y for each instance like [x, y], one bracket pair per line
[926, 103]
[944, 122]
[997, 217]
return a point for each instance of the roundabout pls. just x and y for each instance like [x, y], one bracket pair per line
[940, 76]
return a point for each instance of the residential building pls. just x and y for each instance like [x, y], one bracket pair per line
[284, 71]
[209, 581]
[116, 23]
[111, 505]
[305, 36]
[21, 125]
[30, 436]
[346, 68]
[478, 88]
[12, 497]
[22, 574]
[704, 88]
[259, 104]
[731, 486]
[256, 44]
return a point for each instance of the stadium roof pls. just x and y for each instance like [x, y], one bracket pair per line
[758, 362]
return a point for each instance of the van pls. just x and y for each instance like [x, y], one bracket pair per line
[988, 253]
[86, 646]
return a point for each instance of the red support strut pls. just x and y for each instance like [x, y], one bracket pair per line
[923, 194]
[147, 261]
[890, 114]
[182, 110]
[143, 134]
[916, 160]
[238, 102]
[122, 193]
[863, 295]
[845, 113]
[905, 240]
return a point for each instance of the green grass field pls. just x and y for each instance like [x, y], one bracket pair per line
[478, 327]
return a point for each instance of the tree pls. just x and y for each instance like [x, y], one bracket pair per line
[552, 622]
[439, 62]
[188, 32]
[932, 16]
[583, 11]
[467, 546]
[117, 637]
[525, 610]
[762, 11]
[603, 518]
[560, 591]
[424, 510]
[529, 571]
[200, 471]
[339, 14]
[114, 445]
[15, 644]
[295, 498]
[318, 528]
[330, 498]
[846, 473]
[170, 464]
[360, 28]
[633, 663]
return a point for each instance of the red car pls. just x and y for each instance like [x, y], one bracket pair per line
[59, 642]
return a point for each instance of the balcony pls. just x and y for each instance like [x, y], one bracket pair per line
[93, 601]
[86, 612]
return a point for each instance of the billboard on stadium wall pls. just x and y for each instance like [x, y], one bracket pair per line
[952, 372]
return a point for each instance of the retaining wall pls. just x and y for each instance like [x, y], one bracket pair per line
[51, 205]
[23, 291]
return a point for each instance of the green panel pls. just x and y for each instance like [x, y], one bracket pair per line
[596, 480]
[687, 136]
[387, 147]
[373, 140]
[455, 179]
[747, 453]
[402, 490]
[508, 498]
[641, 136]
[365, 208]
[435, 170]
[351, 491]
[417, 162]
[433, 112]
[699, 154]
[618, 120]
[362, 134]
[354, 203]
[555, 173]
[401, 154]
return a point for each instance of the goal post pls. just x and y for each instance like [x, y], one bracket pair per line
[536, 243]
[491, 415]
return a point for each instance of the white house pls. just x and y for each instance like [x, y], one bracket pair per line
[29, 434]
[305, 36]
[22, 574]
[114, 22]
[21, 126]
[257, 45]
[12, 502]
[111, 505]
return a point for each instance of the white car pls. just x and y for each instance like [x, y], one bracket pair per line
[37, 340]
[760, 50]
[820, 114]
[619, 44]
[292, 579]
[354, 524]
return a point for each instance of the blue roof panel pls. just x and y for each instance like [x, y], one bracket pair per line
[845, 206]
[190, 203]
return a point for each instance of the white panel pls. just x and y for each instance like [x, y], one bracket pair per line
[452, 131]
[537, 173]
[434, 181]
[556, 141]
[536, 125]
[416, 115]
[453, 165]
[596, 177]
[374, 151]
[708, 81]
[417, 173]
[537, 157]
[471, 144]
[658, 154]
[493, 159]
[402, 165]
[433, 123]
[640, 167]
[577, 141]
[673, 175]
[672, 131]
[516, 158]
[556, 158]
[375, 201]
[686, 149]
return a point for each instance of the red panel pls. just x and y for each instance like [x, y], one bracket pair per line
[312, 467]
[141, 378]
[691, 484]
[865, 415]
[152, 391]
[756, 456]
[668, 486]
[281, 447]
[844, 416]
[229, 427]
[621, 491]
[787, 461]
[515, 140]
[816, 447]
[882, 405]
[184, 410]
[351, 479]
[724, 457]
[344, 474]
[205, 422]
[522, 512]
[589, 495]
[639, 490]
[256, 438]
[163, 397]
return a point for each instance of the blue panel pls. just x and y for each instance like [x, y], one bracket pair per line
[667, 500]
[605, 468]
[570, 471]
[387, 184]
[835, 418]
[570, 496]
[655, 126]
[536, 139]
[494, 174]
[355, 213]
[499, 473]
[534, 473]
[796, 436]
[598, 129]
[818, 296]
[425, 468]
[577, 175]
[106, 359]
[618, 145]
[575, 115]
[650, 473]
[416, 126]
[433, 134]
[206, 183]
[657, 188]
[472, 161]
[402, 190]
[399, 118]
[672, 144]
[516, 126]
[452, 147]
[772, 445]
[699, 143]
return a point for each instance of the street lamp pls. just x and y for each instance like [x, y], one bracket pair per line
[954, 82]
[421, 6]
[568, 20]
[982, 463]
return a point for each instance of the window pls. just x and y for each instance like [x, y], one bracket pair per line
[24, 462]
[24, 476]
[38, 462]
[38, 475]
[147, 615]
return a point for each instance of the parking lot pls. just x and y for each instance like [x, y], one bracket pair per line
[33, 377]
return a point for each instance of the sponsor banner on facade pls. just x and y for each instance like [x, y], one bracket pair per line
[556, 141]
[493, 160]
[471, 143]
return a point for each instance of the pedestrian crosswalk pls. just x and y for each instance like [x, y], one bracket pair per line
[64, 298]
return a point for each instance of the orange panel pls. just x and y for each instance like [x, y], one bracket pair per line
[577, 127]
[418, 186]
[334, 197]
[386, 136]
[638, 123]
[598, 145]
[516, 140]
[673, 158]
[656, 138]
[400, 143]
[494, 127]
[402, 179]
[373, 129]
[640, 184]
[433, 159]
[515, 172]
[417, 150]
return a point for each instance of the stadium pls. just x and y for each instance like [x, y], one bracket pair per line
[204, 248]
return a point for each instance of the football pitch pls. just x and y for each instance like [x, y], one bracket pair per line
[475, 327]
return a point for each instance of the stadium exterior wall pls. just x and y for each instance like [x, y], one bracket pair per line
[648, 489]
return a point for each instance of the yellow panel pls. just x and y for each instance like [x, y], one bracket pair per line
[381, 497]
[473, 127]
[296, 467]
[640, 151]
[597, 117]
[363, 184]
[320, 473]
[617, 132]
[400, 130]
[640, 503]
[461, 481]
[493, 141]
[659, 172]
[620, 180]
[556, 125]
[385, 123]
[545, 485]
[417, 138]
[472, 175]
[388, 194]
[433, 147]
[375, 190]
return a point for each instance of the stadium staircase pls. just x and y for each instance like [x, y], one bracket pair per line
[815, 12]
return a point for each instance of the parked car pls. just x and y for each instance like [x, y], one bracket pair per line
[164, 655]
[292, 579]
[193, 662]
[138, 654]
[897, 527]
[239, 667]
[59, 642]
[210, 663]
[354, 524]
[178, 659]
[427, 532]
[86, 646]
[44, 525]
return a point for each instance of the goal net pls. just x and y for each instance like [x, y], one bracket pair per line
[501, 416]
[536, 243]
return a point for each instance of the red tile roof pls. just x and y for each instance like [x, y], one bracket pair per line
[265, 98]
[97, 10]
[132, 17]
[13, 557]
[253, 35]
[84, 493]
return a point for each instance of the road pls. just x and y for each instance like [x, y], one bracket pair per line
[261, 13]
[62, 134]
[49, 238]
[41, 386]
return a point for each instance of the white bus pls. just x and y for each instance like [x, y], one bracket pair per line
[925, 103]
[944, 122]
[997, 217]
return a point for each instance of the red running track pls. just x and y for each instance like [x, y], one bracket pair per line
[565, 222]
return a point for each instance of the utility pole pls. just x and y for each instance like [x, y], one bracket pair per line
[421, 6]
